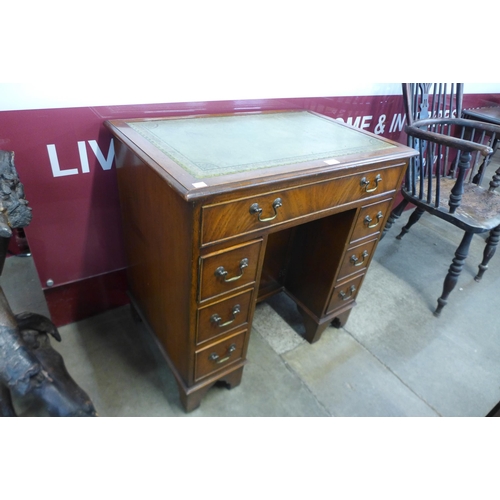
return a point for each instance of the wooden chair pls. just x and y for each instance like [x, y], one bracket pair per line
[446, 179]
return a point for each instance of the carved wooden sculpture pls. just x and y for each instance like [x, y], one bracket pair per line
[29, 366]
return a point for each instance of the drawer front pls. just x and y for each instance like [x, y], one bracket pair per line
[356, 259]
[225, 220]
[217, 319]
[371, 220]
[218, 356]
[344, 293]
[227, 270]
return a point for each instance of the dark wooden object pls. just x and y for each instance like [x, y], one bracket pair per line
[447, 179]
[488, 115]
[29, 366]
[203, 250]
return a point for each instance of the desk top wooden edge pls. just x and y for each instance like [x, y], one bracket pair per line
[192, 188]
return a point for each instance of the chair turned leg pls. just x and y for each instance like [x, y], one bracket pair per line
[395, 215]
[414, 217]
[495, 180]
[456, 267]
[489, 251]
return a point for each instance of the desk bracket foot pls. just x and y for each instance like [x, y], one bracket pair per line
[191, 397]
[233, 379]
[314, 328]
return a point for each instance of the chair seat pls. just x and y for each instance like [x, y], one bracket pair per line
[479, 209]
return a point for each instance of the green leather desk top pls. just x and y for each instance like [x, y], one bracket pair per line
[220, 145]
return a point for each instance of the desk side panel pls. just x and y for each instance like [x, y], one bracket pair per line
[158, 230]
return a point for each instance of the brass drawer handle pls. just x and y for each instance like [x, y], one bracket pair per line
[255, 209]
[220, 271]
[368, 220]
[365, 183]
[215, 318]
[216, 359]
[355, 260]
[345, 296]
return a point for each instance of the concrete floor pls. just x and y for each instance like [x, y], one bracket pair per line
[393, 357]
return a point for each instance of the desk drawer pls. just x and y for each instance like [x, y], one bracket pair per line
[217, 356]
[217, 319]
[227, 270]
[356, 259]
[225, 220]
[344, 293]
[371, 219]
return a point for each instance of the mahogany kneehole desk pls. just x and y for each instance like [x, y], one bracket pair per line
[222, 211]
